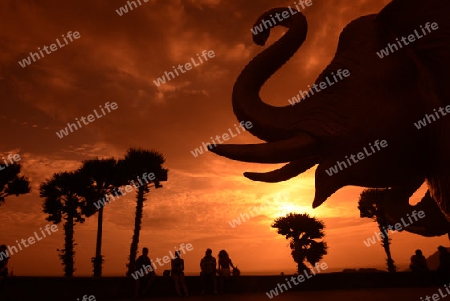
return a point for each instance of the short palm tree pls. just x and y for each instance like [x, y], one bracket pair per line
[136, 163]
[102, 175]
[369, 206]
[303, 232]
[62, 202]
[11, 183]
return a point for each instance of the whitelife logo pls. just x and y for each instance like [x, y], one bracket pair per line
[225, 137]
[124, 9]
[435, 297]
[423, 122]
[255, 30]
[245, 217]
[65, 132]
[27, 61]
[166, 259]
[411, 38]
[107, 199]
[187, 66]
[360, 155]
[323, 85]
[31, 240]
[300, 278]
[280, 197]
[398, 227]
[86, 298]
[16, 158]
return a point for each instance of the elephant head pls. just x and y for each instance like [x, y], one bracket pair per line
[381, 99]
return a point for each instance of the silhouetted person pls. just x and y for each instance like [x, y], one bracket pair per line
[444, 265]
[224, 267]
[420, 268]
[143, 263]
[208, 267]
[3, 264]
[418, 263]
[178, 274]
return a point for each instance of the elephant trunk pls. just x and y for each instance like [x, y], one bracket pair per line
[269, 123]
[279, 126]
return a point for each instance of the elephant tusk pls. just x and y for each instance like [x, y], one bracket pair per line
[284, 173]
[273, 152]
[319, 200]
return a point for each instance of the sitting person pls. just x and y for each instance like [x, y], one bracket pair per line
[178, 274]
[418, 263]
[224, 267]
[208, 267]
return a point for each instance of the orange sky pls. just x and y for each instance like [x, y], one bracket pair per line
[116, 59]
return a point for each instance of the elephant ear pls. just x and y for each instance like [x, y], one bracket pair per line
[431, 56]
[396, 209]
[430, 53]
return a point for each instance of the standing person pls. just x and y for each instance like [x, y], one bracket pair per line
[3, 264]
[224, 267]
[208, 267]
[444, 264]
[144, 262]
[178, 274]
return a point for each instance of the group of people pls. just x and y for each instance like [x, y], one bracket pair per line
[177, 272]
[419, 264]
[208, 266]
[209, 269]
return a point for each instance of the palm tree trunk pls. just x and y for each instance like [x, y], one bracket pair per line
[302, 267]
[386, 243]
[68, 253]
[137, 228]
[98, 259]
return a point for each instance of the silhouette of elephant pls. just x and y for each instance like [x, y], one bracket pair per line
[395, 80]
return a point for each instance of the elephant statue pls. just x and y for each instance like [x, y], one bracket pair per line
[382, 99]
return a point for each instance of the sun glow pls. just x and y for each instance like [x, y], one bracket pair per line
[284, 203]
[284, 208]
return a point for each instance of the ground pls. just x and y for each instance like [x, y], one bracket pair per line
[394, 294]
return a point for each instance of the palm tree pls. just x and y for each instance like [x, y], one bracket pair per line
[11, 183]
[136, 163]
[63, 202]
[102, 176]
[369, 206]
[303, 231]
